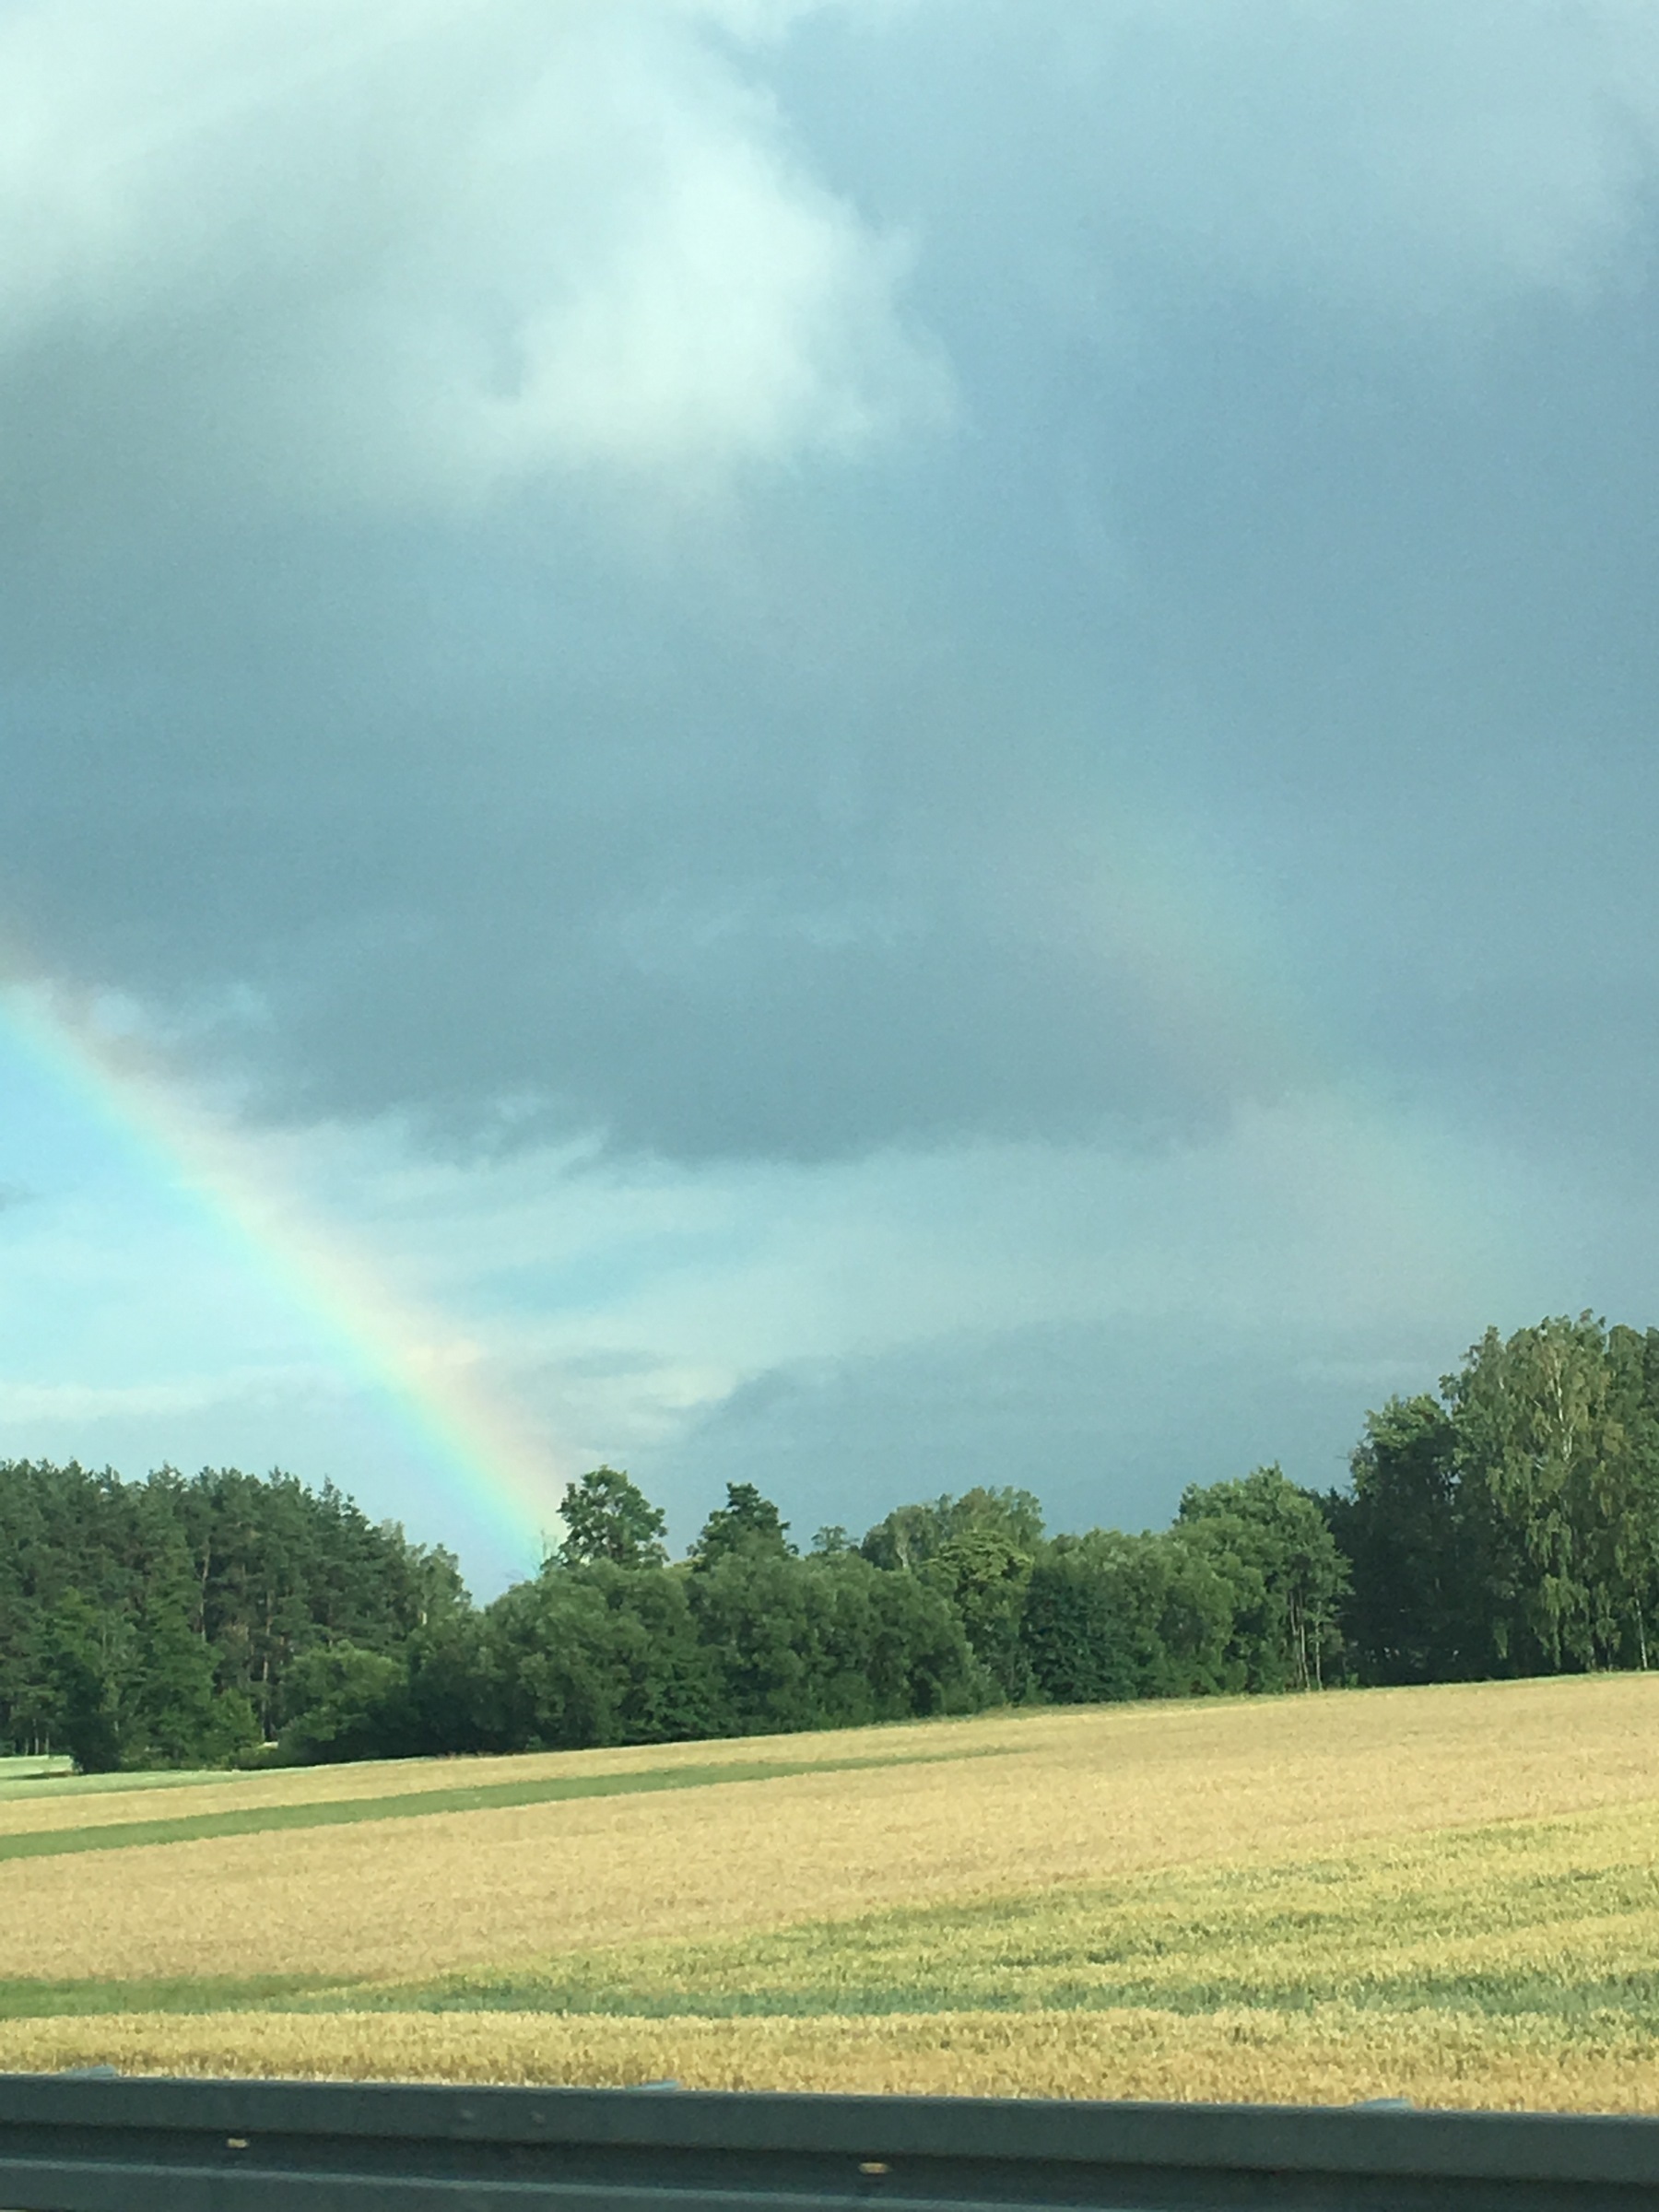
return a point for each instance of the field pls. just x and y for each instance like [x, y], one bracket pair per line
[1445, 1894]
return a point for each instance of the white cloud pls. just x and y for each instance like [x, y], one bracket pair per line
[421, 250]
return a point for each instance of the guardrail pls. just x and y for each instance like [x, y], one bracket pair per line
[72, 2144]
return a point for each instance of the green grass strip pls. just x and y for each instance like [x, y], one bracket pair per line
[415, 1804]
[37, 1999]
[103, 1785]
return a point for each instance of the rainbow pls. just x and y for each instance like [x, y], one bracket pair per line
[1367, 1175]
[428, 1376]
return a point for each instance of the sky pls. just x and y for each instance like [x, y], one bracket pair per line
[867, 744]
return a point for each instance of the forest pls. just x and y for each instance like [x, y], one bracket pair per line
[1505, 1524]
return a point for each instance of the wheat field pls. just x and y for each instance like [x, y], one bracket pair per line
[1448, 1894]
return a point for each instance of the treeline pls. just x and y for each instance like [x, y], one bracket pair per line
[1508, 1524]
[170, 1623]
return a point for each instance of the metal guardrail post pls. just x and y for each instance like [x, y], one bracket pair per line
[70, 2144]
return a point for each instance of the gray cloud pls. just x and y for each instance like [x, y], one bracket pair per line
[1107, 1425]
[656, 572]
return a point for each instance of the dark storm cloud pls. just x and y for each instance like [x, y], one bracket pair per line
[1233, 414]
[1108, 1425]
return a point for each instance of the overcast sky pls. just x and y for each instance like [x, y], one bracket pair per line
[894, 743]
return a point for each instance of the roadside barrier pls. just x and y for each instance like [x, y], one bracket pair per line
[79, 2142]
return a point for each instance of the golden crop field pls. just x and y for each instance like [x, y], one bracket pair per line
[1447, 1894]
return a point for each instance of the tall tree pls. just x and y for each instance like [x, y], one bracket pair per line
[745, 1522]
[158, 1621]
[1531, 1412]
[606, 1516]
[1625, 1544]
[984, 1575]
[1411, 1616]
[911, 1534]
[1270, 1542]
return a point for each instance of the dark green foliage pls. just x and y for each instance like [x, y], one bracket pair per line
[826, 1642]
[912, 1534]
[345, 1703]
[745, 1522]
[754, 1641]
[158, 1623]
[180, 1717]
[597, 1655]
[977, 1551]
[1509, 1525]
[279, 1566]
[86, 1659]
[1271, 1545]
[1109, 1616]
[983, 1574]
[1412, 1616]
[608, 1517]
[1512, 1525]
[1622, 1548]
[454, 1701]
